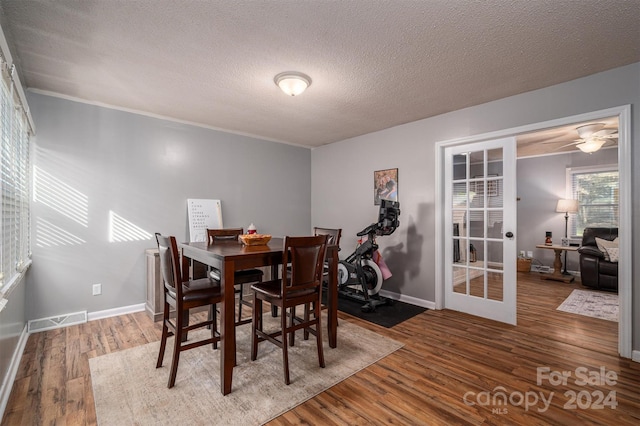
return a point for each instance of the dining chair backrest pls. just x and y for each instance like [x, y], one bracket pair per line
[241, 277]
[170, 268]
[333, 233]
[214, 235]
[306, 257]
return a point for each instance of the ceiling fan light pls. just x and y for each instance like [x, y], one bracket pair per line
[591, 145]
[292, 83]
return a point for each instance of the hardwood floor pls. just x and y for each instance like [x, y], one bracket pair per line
[449, 365]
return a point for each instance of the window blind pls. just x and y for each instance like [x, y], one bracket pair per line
[15, 187]
[597, 192]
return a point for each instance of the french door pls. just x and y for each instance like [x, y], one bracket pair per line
[480, 225]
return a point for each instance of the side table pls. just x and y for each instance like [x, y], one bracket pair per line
[557, 274]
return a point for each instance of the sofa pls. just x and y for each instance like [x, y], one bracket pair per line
[599, 258]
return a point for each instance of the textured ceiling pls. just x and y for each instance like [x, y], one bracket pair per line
[374, 64]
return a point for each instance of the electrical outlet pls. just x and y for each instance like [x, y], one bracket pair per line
[97, 289]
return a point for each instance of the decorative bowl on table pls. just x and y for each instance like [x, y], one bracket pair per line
[255, 239]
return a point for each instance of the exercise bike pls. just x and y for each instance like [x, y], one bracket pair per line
[359, 276]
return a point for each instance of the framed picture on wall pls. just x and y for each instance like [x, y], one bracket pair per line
[385, 185]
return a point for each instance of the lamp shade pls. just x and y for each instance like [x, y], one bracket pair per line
[292, 83]
[567, 206]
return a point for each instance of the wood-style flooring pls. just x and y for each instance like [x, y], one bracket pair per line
[453, 369]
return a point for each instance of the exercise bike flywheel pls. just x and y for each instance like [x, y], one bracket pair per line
[348, 276]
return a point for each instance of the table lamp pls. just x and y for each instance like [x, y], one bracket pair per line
[566, 207]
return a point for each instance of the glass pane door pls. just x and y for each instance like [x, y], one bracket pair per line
[475, 200]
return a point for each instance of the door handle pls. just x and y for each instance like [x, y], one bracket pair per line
[509, 235]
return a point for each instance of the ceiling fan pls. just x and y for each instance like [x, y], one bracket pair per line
[592, 137]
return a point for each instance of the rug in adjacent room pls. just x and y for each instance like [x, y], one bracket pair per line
[592, 303]
[128, 389]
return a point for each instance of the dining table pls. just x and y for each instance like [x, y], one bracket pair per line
[231, 256]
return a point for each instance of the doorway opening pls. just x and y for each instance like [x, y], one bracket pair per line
[623, 116]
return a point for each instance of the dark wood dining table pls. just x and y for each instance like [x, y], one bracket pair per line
[231, 256]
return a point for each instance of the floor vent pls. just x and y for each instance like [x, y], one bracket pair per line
[540, 268]
[59, 321]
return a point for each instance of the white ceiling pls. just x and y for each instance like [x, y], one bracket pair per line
[374, 64]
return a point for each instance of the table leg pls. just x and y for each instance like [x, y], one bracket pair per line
[557, 263]
[557, 274]
[227, 327]
[332, 299]
[274, 276]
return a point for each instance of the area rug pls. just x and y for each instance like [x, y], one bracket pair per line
[592, 303]
[128, 389]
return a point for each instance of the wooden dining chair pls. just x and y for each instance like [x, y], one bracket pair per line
[245, 276]
[333, 233]
[302, 286]
[183, 294]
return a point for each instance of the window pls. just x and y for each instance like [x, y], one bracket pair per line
[15, 250]
[597, 192]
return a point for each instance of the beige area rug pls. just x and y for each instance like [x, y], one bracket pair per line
[592, 303]
[129, 390]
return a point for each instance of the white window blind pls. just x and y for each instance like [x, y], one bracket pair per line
[15, 249]
[597, 192]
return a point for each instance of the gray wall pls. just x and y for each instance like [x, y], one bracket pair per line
[541, 182]
[342, 173]
[91, 160]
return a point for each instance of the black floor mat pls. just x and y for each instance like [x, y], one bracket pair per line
[385, 315]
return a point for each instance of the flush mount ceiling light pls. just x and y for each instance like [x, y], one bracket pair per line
[292, 83]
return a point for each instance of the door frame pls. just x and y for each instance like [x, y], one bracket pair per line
[623, 113]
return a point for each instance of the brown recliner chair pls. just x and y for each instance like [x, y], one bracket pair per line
[595, 271]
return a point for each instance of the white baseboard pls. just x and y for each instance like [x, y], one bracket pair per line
[635, 356]
[408, 299]
[12, 371]
[116, 311]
